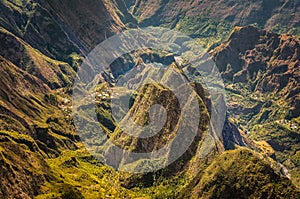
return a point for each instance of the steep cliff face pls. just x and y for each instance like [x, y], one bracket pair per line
[267, 14]
[267, 62]
[175, 122]
[23, 169]
[41, 154]
[88, 22]
[34, 116]
[60, 28]
[229, 174]
[18, 89]
[30, 21]
[262, 74]
[211, 21]
[34, 34]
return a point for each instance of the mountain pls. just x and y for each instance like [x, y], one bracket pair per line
[54, 73]
[57, 29]
[32, 129]
[267, 62]
[273, 15]
[212, 21]
[262, 74]
[42, 46]
[229, 177]
[192, 175]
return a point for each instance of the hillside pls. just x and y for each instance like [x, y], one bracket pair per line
[262, 74]
[58, 29]
[241, 174]
[254, 155]
[28, 134]
[272, 15]
[54, 73]
[211, 21]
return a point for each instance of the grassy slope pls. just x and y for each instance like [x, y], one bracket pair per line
[74, 173]
[32, 129]
[208, 32]
[54, 73]
[32, 22]
[85, 175]
[242, 173]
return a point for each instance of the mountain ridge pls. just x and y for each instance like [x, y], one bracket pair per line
[41, 155]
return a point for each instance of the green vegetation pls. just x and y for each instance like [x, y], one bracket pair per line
[208, 32]
[242, 173]
[80, 174]
[52, 72]
[254, 108]
[41, 155]
[260, 106]
[19, 155]
[284, 138]
[263, 117]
